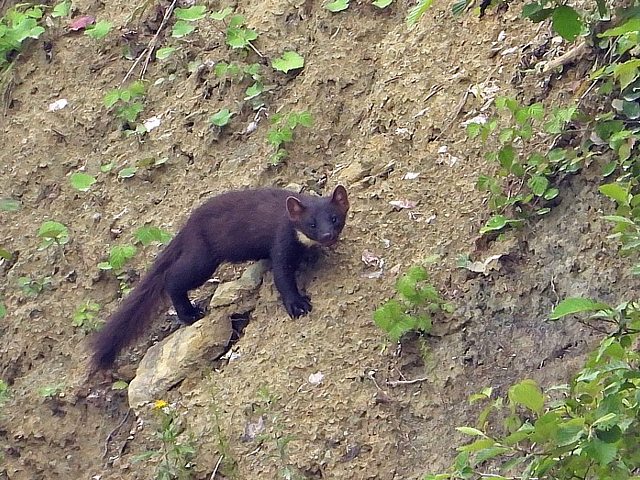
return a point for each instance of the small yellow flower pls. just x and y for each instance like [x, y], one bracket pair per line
[159, 404]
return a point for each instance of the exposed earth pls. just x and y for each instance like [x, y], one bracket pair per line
[386, 101]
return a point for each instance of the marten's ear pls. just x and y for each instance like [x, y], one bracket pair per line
[295, 209]
[339, 198]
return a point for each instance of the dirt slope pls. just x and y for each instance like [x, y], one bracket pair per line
[385, 102]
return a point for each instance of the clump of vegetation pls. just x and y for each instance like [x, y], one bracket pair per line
[86, 317]
[587, 429]
[18, 24]
[127, 102]
[176, 453]
[52, 232]
[34, 286]
[51, 391]
[281, 132]
[523, 184]
[412, 311]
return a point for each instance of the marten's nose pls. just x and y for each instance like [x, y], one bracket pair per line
[327, 236]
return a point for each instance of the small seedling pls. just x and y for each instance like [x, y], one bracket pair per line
[416, 305]
[62, 9]
[175, 455]
[119, 256]
[148, 234]
[50, 391]
[186, 16]
[281, 132]
[52, 232]
[98, 30]
[221, 118]
[3, 310]
[288, 61]
[33, 286]
[86, 317]
[82, 181]
[4, 392]
[16, 26]
[119, 385]
[127, 102]
[337, 5]
[10, 205]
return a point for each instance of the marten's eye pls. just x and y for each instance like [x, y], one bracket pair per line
[334, 219]
[312, 225]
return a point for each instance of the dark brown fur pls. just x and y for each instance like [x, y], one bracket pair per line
[233, 227]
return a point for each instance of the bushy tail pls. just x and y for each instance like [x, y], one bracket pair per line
[136, 312]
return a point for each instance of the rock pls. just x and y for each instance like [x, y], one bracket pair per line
[170, 361]
[229, 292]
[354, 172]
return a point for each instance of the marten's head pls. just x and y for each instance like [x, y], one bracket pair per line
[319, 221]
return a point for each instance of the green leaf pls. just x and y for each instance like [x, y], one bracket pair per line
[111, 98]
[149, 234]
[632, 25]
[458, 7]
[9, 205]
[626, 72]
[497, 222]
[181, 29]
[55, 231]
[253, 91]
[538, 184]
[570, 432]
[415, 14]
[190, 14]
[616, 192]
[382, 3]
[528, 394]
[222, 14]
[221, 118]
[240, 37]
[127, 172]
[337, 5]
[164, 53]
[3, 310]
[573, 305]
[98, 30]
[288, 61]
[62, 9]
[120, 255]
[82, 181]
[119, 385]
[602, 452]
[391, 318]
[566, 22]
[474, 432]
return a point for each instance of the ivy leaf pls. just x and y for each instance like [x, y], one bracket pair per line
[149, 234]
[573, 305]
[190, 14]
[82, 181]
[566, 22]
[337, 5]
[221, 118]
[288, 61]
[181, 29]
[99, 30]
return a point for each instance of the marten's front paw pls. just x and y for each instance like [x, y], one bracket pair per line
[193, 316]
[298, 306]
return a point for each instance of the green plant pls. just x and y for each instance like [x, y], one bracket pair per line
[228, 464]
[3, 310]
[33, 286]
[587, 429]
[98, 30]
[237, 35]
[127, 102]
[62, 9]
[221, 118]
[337, 5]
[414, 309]
[119, 256]
[50, 391]
[16, 26]
[281, 132]
[523, 184]
[149, 234]
[4, 392]
[288, 61]
[175, 455]
[86, 317]
[186, 16]
[52, 232]
[81, 181]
